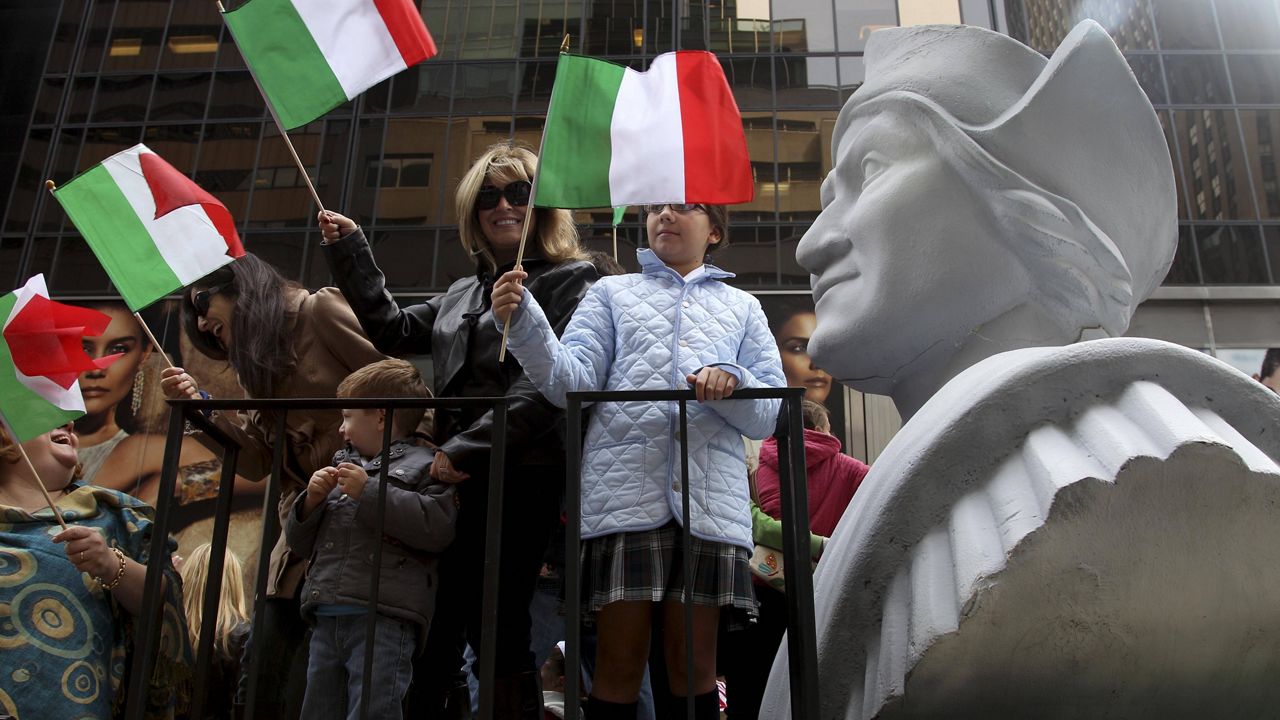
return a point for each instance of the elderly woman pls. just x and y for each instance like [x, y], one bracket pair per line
[1064, 523]
[70, 597]
[457, 330]
[282, 342]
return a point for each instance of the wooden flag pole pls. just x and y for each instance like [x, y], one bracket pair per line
[154, 342]
[35, 475]
[39, 483]
[533, 194]
[306, 177]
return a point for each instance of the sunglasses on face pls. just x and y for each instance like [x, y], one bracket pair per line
[682, 208]
[516, 193]
[201, 299]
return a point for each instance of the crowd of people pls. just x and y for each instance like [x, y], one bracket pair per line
[574, 321]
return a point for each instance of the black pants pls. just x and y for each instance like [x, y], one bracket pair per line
[283, 637]
[531, 510]
[746, 656]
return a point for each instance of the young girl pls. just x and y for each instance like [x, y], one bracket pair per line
[230, 631]
[675, 324]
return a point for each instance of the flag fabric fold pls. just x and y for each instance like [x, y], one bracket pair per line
[615, 136]
[41, 356]
[154, 230]
[310, 56]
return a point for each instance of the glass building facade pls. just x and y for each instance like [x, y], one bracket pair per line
[118, 72]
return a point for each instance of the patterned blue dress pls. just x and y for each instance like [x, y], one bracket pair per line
[64, 641]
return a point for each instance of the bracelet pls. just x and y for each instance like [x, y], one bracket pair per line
[119, 573]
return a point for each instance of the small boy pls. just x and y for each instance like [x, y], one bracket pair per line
[332, 523]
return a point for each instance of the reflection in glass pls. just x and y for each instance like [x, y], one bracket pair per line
[182, 96]
[536, 79]
[66, 155]
[422, 88]
[404, 256]
[1043, 25]
[856, 21]
[1147, 69]
[1185, 24]
[280, 197]
[1231, 255]
[806, 82]
[95, 44]
[122, 98]
[175, 143]
[284, 249]
[404, 169]
[64, 37]
[853, 72]
[29, 182]
[10, 257]
[235, 96]
[50, 95]
[1261, 133]
[333, 162]
[74, 267]
[1185, 270]
[81, 98]
[484, 88]
[227, 159]
[750, 80]
[1255, 78]
[1197, 79]
[1249, 24]
[360, 205]
[1215, 165]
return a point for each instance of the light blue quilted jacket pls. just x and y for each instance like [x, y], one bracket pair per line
[648, 331]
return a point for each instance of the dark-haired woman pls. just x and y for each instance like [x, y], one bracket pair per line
[282, 342]
[457, 330]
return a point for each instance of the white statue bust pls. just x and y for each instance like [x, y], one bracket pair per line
[1057, 529]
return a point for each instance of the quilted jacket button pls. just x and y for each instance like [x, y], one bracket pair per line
[684, 304]
[684, 343]
[676, 486]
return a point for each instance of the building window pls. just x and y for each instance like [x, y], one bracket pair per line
[398, 171]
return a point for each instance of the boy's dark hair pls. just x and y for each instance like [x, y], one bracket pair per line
[605, 264]
[815, 416]
[1270, 363]
[389, 379]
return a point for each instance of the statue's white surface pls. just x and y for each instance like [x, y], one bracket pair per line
[1064, 527]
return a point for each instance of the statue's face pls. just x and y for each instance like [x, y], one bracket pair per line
[903, 259]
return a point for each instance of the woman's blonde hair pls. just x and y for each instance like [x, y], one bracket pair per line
[502, 164]
[232, 609]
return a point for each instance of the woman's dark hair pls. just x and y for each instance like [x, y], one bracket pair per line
[261, 351]
[779, 309]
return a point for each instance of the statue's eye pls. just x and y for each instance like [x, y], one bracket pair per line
[872, 165]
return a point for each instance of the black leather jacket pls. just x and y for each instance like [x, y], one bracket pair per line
[458, 331]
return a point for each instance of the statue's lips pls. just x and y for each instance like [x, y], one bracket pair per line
[828, 281]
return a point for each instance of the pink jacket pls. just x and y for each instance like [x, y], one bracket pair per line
[833, 478]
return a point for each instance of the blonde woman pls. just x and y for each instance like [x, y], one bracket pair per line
[229, 632]
[457, 330]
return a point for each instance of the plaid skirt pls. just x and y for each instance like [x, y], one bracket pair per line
[649, 566]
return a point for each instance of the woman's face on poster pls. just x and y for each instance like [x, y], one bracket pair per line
[104, 388]
[793, 345]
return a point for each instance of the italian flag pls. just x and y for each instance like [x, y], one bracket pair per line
[310, 56]
[615, 136]
[154, 230]
[41, 357]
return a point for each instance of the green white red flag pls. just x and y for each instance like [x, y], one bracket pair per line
[310, 56]
[615, 136]
[153, 229]
[41, 358]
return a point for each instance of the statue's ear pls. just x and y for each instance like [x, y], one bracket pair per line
[1078, 273]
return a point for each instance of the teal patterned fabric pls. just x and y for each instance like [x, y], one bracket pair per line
[65, 642]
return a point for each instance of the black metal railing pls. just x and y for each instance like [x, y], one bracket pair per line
[799, 585]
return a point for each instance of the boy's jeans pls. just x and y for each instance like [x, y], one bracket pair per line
[336, 667]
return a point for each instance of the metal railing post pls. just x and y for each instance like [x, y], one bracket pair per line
[802, 653]
[213, 581]
[270, 533]
[379, 526]
[492, 561]
[147, 624]
[573, 557]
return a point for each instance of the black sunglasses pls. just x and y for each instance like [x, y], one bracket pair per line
[516, 193]
[682, 208]
[201, 299]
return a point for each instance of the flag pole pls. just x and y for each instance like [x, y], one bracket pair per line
[31, 466]
[533, 195]
[154, 342]
[306, 177]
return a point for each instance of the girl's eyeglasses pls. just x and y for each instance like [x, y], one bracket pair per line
[516, 193]
[201, 299]
[682, 208]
